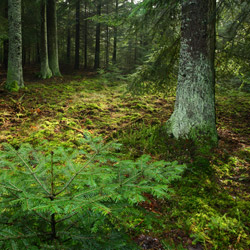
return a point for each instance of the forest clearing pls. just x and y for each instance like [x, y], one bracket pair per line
[116, 135]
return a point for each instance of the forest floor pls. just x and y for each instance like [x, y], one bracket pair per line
[211, 206]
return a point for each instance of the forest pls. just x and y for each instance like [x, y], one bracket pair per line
[125, 124]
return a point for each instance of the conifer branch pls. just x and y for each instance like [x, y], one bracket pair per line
[76, 174]
[32, 173]
[9, 188]
[22, 236]
[67, 217]
[41, 216]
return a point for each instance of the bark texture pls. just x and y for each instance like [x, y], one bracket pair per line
[107, 38]
[77, 35]
[68, 36]
[15, 71]
[45, 69]
[52, 38]
[115, 36]
[194, 112]
[85, 35]
[98, 37]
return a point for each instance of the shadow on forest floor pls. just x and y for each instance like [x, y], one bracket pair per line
[211, 207]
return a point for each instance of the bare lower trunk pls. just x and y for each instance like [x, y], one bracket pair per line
[77, 35]
[98, 37]
[85, 36]
[15, 70]
[194, 113]
[115, 36]
[45, 70]
[52, 38]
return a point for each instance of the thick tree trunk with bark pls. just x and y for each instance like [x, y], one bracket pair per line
[194, 112]
[98, 37]
[15, 68]
[45, 70]
[77, 37]
[52, 38]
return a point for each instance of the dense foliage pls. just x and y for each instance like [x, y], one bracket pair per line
[67, 197]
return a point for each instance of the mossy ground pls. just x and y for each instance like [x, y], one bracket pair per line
[210, 209]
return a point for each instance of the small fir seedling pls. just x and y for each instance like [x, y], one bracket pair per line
[62, 199]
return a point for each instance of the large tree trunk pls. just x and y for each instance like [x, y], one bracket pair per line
[115, 36]
[77, 38]
[194, 112]
[98, 38]
[52, 38]
[45, 70]
[15, 68]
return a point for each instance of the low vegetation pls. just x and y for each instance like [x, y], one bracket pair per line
[48, 140]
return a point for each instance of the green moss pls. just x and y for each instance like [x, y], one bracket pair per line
[12, 86]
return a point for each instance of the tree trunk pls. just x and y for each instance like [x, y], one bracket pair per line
[45, 70]
[98, 37]
[77, 38]
[115, 36]
[85, 37]
[68, 46]
[68, 36]
[107, 38]
[194, 112]
[6, 41]
[15, 70]
[5, 53]
[135, 52]
[52, 38]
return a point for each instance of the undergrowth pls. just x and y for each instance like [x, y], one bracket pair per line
[210, 206]
[69, 198]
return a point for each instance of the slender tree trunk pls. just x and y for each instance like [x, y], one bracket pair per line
[77, 38]
[38, 55]
[6, 41]
[24, 56]
[45, 69]
[135, 52]
[98, 37]
[68, 36]
[52, 38]
[115, 36]
[107, 38]
[194, 113]
[15, 68]
[85, 37]
[5, 53]
[68, 46]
